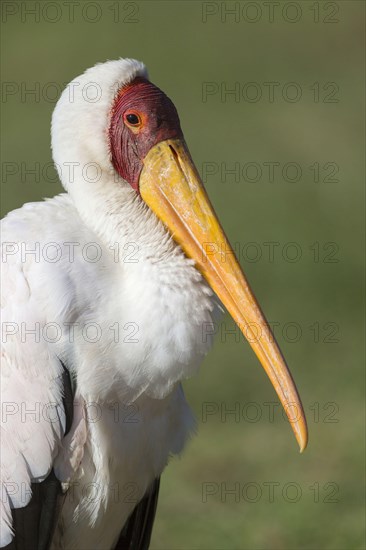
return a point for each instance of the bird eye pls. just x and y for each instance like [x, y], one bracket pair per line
[133, 119]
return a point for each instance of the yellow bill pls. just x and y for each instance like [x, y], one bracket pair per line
[170, 185]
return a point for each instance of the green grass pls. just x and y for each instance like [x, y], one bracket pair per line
[182, 53]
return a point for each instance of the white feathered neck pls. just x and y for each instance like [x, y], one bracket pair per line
[81, 152]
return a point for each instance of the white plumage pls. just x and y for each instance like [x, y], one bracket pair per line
[113, 275]
[92, 281]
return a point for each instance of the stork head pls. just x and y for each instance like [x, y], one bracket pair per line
[114, 117]
[142, 116]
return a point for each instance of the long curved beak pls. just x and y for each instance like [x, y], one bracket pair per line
[170, 185]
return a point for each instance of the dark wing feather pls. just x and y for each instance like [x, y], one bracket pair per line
[34, 524]
[137, 531]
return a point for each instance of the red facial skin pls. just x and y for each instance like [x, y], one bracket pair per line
[158, 121]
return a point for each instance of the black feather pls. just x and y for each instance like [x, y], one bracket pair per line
[136, 533]
[35, 523]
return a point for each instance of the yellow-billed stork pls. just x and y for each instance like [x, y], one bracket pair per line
[106, 290]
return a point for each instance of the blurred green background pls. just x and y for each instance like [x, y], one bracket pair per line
[312, 290]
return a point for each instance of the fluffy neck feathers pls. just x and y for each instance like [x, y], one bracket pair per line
[81, 150]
